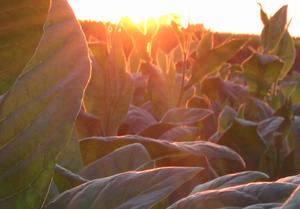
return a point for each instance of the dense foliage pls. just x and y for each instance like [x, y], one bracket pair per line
[152, 116]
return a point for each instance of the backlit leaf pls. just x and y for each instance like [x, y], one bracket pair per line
[37, 114]
[21, 30]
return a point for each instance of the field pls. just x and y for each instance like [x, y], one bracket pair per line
[121, 116]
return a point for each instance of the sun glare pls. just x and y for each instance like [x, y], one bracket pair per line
[234, 16]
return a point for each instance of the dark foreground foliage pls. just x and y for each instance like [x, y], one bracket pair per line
[145, 117]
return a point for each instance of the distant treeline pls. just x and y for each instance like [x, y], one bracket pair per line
[95, 30]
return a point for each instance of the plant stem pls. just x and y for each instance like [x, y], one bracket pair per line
[183, 78]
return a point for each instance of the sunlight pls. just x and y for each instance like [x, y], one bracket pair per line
[225, 16]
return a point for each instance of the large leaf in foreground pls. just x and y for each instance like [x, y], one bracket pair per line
[38, 112]
[127, 158]
[230, 180]
[126, 190]
[293, 201]
[96, 147]
[238, 196]
[20, 32]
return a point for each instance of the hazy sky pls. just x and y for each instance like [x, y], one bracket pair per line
[240, 16]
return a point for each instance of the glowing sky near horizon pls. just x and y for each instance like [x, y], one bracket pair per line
[236, 16]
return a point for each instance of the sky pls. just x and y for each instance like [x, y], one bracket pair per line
[236, 16]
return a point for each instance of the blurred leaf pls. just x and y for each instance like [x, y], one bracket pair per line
[127, 158]
[185, 116]
[224, 91]
[257, 110]
[156, 130]
[244, 139]
[65, 179]
[293, 201]
[111, 88]
[226, 118]
[274, 30]
[268, 128]
[296, 142]
[126, 190]
[287, 53]
[261, 71]
[37, 114]
[87, 125]
[290, 179]
[230, 180]
[164, 39]
[181, 133]
[21, 30]
[97, 147]
[263, 16]
[158, 92]
[138, 119]
[211, 61]
[140, 40]
[70, 158]
[237, 196]
[264, 206]
[205, 45]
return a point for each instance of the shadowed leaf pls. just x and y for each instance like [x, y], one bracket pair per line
[126, 190]
[37, 114]
[20, 32]
[127, 158]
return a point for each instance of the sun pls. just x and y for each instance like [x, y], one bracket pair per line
[136, 10]
[233, 16]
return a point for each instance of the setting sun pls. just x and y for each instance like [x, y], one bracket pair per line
[226, 16]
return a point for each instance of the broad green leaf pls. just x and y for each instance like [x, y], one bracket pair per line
[110, 91]
[257, 110]
[242, 137]
[65, 179]
[211, 61]
[274, 30]
[126, 190]
[294, 200]
[185, 116]
[21, 30]
[230, 180]
[261, 71]
[127, 158]
[237, 196]
[37, 114]
[287, 53]
[97, 147]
